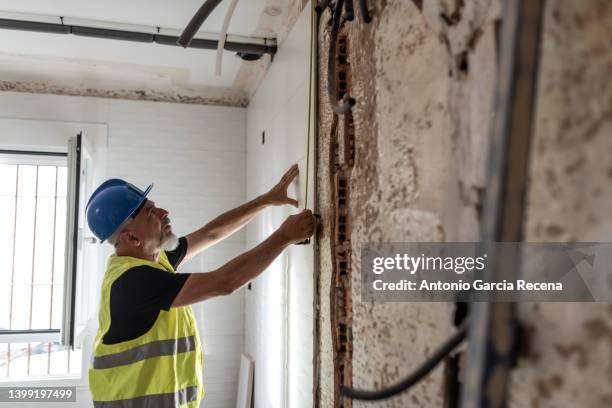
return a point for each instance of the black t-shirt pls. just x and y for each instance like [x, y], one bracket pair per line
[139, 294]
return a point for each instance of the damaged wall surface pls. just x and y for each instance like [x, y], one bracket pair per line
[423, 76]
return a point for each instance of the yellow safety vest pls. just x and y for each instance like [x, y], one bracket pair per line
[161, 368]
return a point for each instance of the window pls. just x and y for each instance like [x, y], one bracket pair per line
[33, 208]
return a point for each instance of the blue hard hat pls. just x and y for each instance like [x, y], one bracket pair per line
[111, 205]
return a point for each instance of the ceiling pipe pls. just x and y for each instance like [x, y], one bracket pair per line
[196, 22]
[111, 34]
[34, 26]
[223, 36]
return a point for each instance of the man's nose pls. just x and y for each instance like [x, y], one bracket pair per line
[161, 213]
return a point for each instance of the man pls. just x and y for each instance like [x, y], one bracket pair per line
[147, 351]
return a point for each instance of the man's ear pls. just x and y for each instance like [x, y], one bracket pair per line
[130, 239]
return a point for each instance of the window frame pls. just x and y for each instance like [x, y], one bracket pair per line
[42, 158]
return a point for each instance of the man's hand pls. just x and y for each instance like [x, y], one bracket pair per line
[298, 227]
[278, 194]
[246, 267]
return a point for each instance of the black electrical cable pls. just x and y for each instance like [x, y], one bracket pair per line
[322, 6]
[415, 376]
[349, 9]
[196, 22]
[348, 102]
[365, 14]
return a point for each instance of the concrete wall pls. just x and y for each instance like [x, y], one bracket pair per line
[196, 156]
[423, 74]
[279, 305]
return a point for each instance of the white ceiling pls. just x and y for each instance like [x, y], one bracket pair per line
[78, 62]
[164, 13]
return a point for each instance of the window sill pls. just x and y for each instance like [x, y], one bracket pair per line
[59, 381]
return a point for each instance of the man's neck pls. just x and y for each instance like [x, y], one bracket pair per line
[138, 253]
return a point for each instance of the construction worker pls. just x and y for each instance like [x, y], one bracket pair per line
[147, 350]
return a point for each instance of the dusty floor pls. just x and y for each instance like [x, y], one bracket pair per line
[423, 75]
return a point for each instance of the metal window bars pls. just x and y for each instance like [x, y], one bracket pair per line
[35, 341]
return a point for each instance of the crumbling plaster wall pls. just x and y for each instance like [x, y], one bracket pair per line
[423, 74]
[420, 125]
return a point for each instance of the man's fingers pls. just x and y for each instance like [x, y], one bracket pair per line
[290, 174]
[288, 178]
[292, 202]
[290, 171]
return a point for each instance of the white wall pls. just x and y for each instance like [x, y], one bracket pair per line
[196, 156]
[279, 307]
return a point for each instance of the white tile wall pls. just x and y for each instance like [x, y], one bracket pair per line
[196, 156]
[279, 307]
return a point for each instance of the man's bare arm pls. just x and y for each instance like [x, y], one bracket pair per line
[228, 223]
[242, 269]
[223, 226]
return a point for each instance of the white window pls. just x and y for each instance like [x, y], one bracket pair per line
[34, 224]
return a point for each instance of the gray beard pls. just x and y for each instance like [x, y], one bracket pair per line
[170, 242]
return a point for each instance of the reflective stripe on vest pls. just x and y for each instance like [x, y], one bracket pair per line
[153, 349]
[153, 401]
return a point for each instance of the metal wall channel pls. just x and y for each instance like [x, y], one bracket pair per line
[493, 327]
[342, 155]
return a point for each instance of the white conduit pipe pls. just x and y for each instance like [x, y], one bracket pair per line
[223, 35]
